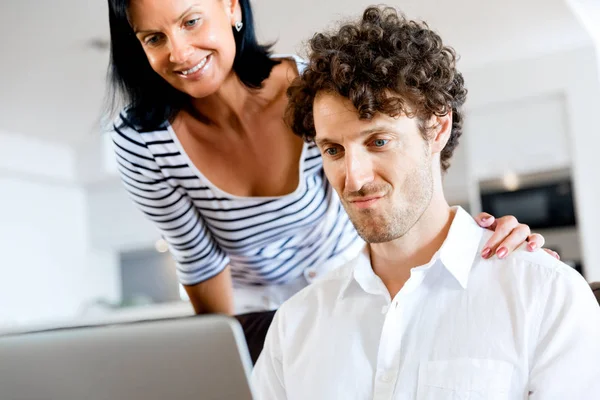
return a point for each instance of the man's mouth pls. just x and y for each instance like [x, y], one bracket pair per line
[365, 202]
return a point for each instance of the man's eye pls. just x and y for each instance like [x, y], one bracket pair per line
[332, 151]
[380, 142]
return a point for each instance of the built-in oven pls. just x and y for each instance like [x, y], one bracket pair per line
[541, 205]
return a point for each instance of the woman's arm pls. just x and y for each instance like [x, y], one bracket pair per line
[201, 263]
[213, 296]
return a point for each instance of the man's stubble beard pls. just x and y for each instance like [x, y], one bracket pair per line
[381, 225]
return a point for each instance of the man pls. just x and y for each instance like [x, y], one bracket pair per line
[418, 315]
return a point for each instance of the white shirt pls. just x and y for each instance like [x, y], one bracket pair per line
[461, 327]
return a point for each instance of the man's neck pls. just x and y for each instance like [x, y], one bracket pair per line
[392, 261]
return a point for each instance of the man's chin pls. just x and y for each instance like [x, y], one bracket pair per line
[376, 234]
[373, 238]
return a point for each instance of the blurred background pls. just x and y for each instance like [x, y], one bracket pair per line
[73, 247]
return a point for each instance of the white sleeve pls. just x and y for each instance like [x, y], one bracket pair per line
[267, 376]
[566, 362]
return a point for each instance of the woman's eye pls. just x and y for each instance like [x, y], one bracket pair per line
[151, 40]
[191, 22]
[380, 142]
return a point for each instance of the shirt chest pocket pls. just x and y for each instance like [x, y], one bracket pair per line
[464, 379]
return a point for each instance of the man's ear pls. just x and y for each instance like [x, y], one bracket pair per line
[234, 9]
[441, 130]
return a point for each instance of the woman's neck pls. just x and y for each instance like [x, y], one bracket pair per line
[230, 107]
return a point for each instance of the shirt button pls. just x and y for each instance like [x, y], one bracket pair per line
[385, 309]
[312, 274]
[386, 377]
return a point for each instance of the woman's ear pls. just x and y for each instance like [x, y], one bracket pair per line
[441, 131]
[234, 10]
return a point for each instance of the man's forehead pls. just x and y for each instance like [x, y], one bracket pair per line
[335, 118]
[336, 115]
[329, 104]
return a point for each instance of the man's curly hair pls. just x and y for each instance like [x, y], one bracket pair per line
[383, 63]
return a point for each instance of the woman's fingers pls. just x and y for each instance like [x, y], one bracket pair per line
[508, 235]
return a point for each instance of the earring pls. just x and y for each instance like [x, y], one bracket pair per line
[239, 25]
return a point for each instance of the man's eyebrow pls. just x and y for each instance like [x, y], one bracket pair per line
[365, 132]
[321, 141]
[371, 131]
[136, 31]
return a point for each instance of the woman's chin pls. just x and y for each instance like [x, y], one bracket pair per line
[198, 90]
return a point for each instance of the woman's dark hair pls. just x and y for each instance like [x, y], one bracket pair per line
[383, 63]
[149, 98]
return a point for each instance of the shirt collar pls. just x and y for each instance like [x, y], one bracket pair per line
[461, 247]
[362, 275]
[457, 254]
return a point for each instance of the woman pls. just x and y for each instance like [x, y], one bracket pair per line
[204, 152]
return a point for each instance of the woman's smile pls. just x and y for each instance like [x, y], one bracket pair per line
[197, 70]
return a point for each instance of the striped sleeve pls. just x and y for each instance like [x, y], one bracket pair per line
[192, 245]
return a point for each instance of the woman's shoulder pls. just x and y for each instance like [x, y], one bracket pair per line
[128, 120]
[300, 62]
[282, 75]
[133, 139]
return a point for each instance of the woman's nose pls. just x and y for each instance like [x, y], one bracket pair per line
[181, 51]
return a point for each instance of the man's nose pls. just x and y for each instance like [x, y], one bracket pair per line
[359, 171]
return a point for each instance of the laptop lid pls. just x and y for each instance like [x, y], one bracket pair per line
[200, 357]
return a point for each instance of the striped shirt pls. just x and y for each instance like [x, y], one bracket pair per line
[265, 240]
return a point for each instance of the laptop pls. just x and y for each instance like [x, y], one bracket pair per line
[200, 357]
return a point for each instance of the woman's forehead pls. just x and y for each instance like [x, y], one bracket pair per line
[143, 12]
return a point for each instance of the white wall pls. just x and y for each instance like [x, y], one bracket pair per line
[37, 159]
[588, 14]
[43, 243]
[519, 136]
[48, 271]
[115, 223]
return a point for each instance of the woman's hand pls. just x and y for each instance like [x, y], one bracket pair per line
[508, 235]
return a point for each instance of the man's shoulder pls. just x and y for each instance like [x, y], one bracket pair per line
[537, 266]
